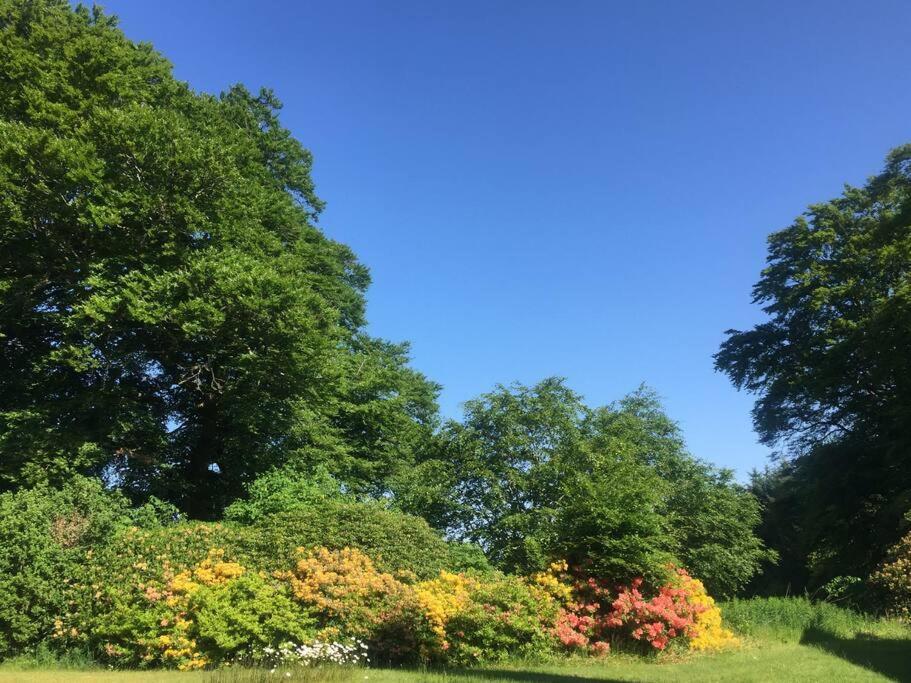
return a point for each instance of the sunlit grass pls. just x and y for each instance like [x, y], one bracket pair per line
[755, 662]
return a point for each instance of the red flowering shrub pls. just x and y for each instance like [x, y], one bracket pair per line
[668, 615]
[596, 613]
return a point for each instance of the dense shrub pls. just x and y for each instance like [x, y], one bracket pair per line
[678, 612]
[283, 490]
[487, 619]
[893, 579]
[352, 599]
[395, 541]
[46, 535]
[211, 613]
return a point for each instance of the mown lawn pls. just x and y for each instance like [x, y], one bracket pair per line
[827, 659]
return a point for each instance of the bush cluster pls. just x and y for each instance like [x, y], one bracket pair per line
[220, 611]
[335, 580]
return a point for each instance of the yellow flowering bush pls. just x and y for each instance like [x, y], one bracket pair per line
[708, 631]
[554, 583]
[442, 598]
[214, 611]
[501, 616]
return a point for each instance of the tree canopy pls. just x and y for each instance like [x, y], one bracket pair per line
[170, 316]
[832, 370]
[834, 357]
[174, 323]
[533, 474]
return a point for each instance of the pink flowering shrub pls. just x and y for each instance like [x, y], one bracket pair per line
[595, 613]
[658, 620]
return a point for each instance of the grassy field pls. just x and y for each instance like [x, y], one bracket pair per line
[856, 660]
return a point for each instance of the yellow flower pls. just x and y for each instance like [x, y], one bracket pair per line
[442, 598]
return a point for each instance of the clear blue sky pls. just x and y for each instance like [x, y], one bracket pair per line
[565, 188]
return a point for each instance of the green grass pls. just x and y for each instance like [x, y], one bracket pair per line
[771, 662]
[788, 620]
[785, 640]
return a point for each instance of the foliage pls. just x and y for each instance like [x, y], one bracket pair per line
[831, 512]
[893, 578]
[608, 519]
[788, 619]
[534, 475]
[500, 467]
[396, 542]
[710, 518]
[45, 537]
[833, 357]
[283, 490]
[351, 598]
[171, 316]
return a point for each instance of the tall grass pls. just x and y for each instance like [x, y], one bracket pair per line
[42, 657]
[788, 619]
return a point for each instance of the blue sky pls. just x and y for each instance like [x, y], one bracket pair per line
[565, 188]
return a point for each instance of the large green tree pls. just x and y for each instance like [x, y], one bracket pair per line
[831, 367]
[170, 316]
[533, 474]
[834, 356]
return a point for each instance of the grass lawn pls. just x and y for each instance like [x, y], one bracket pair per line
[825, 659]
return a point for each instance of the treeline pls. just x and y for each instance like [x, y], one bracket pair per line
[179, 341]
[831, 366]
[175, 324]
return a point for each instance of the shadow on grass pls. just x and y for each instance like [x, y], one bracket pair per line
[531, 676]
[886, 656]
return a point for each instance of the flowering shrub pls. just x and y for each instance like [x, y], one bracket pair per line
[708, 632]
[594, 613]
[658, 620]
[351, 598]
[488, 619]
[893, 579]
[441, 599]
[315, 652]
[187, 619]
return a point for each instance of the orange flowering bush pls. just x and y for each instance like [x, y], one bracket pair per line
[349, 597]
